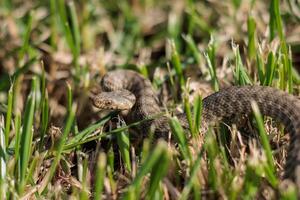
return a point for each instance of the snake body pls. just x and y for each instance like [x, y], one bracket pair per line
[233, 101]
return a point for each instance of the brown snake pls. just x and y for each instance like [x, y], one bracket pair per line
[128, 90]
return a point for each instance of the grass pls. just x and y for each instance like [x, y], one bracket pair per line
[54, 144]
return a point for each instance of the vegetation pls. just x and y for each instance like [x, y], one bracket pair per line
[55, 144]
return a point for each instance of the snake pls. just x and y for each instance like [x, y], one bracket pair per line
[127, 90]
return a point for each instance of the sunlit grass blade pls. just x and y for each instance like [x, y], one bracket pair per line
[252, 180]
[26, 136]
[45, 119]
[210, 57]
[124, 148]
[26, 36]
[260, 67]
[3, 160]
[64, 22]
[212, 150]
[251, 25]
[157, 174]
[295, 76]
[8, 114]
[270, 69]
[287, 65]
[111, 168]
[193, 47]
[75, 27]
[17, 122]
[69, 35]
[197, 112]
[69, 97]
[143, 70]
[84, 191]
[275, 9]
[270, 168]
[32, 168]
[43, 85]
[288, 191]
[44, 109]
[100, 175]
[85, 133]
[180, 137]
[272, 20]
[175, 59]
[174, 27]
[240, 73]
[290, 72]
[187, 109]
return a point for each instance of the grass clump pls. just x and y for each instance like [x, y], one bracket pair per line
[55, 144]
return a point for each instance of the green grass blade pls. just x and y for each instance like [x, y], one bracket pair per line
[69, 97]
[8, 114]
[251, 25]
[187, 109]
[276, 10]
[27, 134]
[3, 155]
[17, 121]
[240, 73]
[210, 57]
[84, 133]
[45, 119]
[252, 180]
[180, 137]
[44, 107]
[32, 168]
[193, 47]
[290, 72]
[272, 20]
[212, 150]
[270, 69]
[124, 148]
[100, 175]
[75, 27]
[157, 174]
[26, 36]
[84, 191]
[260, 68]
[289, 192]
[68, 32]
[270, 168]
[197, 112]
[175, 60]
[84, 139]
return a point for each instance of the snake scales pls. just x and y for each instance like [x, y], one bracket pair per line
[128, 90]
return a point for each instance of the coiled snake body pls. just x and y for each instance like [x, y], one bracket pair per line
[128, 90]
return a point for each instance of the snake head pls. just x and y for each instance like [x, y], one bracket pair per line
[114, 100]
